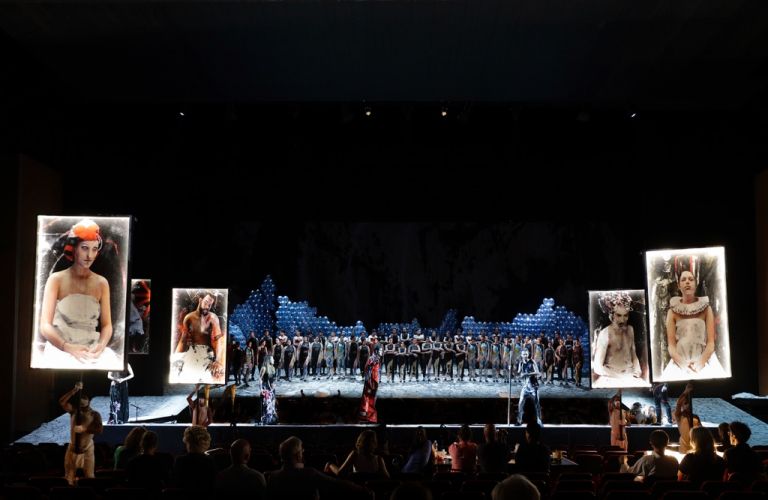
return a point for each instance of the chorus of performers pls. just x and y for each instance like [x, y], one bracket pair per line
[418, 357]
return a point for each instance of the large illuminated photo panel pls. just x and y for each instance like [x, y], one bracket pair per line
[618, 339]
[688, 314]
[140, 308]
[80, 293]
[198, 336]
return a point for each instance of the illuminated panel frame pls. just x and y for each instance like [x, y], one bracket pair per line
[195, 356]
[75, 318]
[666, 306]
[140, 316]
[601, 305]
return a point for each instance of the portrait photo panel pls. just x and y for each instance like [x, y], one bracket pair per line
[198, 336]
[81, 288]
[618, 339]
[139, 316]
[688, 314]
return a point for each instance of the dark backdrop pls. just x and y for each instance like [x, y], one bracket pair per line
[405, 215]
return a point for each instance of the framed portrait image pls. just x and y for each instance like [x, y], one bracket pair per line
[688, 314]
[198, 336]
[139, 310]
[81, 289]
[618, 339]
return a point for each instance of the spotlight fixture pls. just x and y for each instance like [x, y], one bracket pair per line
[633, 115]
[367, 111]
[444, 111]
[181, 113]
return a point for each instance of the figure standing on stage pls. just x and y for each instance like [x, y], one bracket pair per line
[660, 399]
[529, 408]
[328, 347]
[527, 366]
[618, 420]
[578, 361]
[84, 422]
[367, 411]
[414, 353]
[461, 356]
[684, 417]
[268, 402]
[561, 352]
[118, 395]
[549, 362]
[288, 358]
[199, 409]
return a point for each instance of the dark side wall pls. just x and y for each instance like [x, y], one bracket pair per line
[36, 190]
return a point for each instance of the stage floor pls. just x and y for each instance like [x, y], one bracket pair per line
[154, 409]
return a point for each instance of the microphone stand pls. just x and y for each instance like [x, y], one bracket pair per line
[509, 391]
[136, 418]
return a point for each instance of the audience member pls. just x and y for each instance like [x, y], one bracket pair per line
[741, 459]
[532, 455]
[702, 464]
[130, 448]
[492, 454]
[294, 481]
[150, 469]
[363, 459]
[238, 477]
[195, 470]
[724, 436]
[421, 454]
[516, 487]
[657, 464]
[463, 452]
[411, 491]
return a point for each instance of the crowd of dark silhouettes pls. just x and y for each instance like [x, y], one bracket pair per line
[491, 469]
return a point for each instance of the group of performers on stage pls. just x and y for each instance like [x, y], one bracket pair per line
[414, 358]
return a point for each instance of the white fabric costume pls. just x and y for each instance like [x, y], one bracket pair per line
[76, 318]
[691, 336]
[193, 366]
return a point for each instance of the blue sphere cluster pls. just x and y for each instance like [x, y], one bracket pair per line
[549, 319]
[257, 313]
[262, 312]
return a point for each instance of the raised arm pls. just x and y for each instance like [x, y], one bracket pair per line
[219, 345]
[190, 401]
[383, 467]
[64, 400]
[50, 295]
[182, 345]
[346, 466]
[600, 350]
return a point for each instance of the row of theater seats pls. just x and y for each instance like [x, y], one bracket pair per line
[447, 486]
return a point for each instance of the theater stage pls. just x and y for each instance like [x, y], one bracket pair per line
[318, 416]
